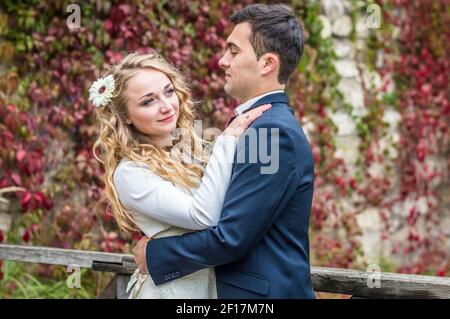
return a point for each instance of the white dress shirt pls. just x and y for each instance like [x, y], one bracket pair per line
[244, 106]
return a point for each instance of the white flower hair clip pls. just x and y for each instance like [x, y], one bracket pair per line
[101, 91]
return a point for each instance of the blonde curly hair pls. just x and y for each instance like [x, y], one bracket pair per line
[118, 140]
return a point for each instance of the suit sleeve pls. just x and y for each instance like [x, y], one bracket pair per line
[259, 190]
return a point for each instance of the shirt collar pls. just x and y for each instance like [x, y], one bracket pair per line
[245, 106]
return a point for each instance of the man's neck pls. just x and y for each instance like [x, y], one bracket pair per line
[247, 104]
[261, 92]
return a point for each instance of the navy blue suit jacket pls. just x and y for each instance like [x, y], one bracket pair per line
[260, 246]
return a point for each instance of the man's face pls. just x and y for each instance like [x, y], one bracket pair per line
[240, 64]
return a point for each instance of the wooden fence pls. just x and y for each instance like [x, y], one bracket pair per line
[359, 284]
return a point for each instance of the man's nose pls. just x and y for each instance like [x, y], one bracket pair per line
[223, 62]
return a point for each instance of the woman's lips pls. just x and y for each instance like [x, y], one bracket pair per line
[167, 119]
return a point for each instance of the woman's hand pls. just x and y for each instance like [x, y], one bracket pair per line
[238, 126]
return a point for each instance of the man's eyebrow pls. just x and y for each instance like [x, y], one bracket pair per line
[151, 93]
[231, 45]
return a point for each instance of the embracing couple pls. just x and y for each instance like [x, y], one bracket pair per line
[215, 227]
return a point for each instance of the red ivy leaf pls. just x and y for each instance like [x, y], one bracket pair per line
[26, 200]
[440, 272]
[40, 197]
[26, 236]
[108, 25]
[21, 155]
[16, 179]
[125, 9]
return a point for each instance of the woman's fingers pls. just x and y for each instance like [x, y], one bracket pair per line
[263, 107]
[256, 112]
[243, 121]
[260, 109]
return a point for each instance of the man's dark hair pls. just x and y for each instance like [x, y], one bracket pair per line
[274, 28]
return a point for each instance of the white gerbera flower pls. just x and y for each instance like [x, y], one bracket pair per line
[101, 91]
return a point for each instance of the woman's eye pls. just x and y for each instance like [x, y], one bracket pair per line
[170, 92]
[148, 102]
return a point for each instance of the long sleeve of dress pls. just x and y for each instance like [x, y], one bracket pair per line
[147, 193]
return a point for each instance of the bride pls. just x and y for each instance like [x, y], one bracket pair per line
[149, 183]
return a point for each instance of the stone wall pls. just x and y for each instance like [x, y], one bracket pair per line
[336, 18]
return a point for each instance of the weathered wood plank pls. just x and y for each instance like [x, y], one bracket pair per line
[351, 282]
[347, 281]
[126, 267]
[344, 281]
[57, 256]
[392, 285]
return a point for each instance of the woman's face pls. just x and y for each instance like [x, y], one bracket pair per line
[153, 106]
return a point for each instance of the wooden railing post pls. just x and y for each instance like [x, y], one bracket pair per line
[122, 283]
[110, 292]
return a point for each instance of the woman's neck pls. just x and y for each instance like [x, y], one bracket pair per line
[162, 141]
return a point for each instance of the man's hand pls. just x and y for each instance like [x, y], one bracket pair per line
[140, 255]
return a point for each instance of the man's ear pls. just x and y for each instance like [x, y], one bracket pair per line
[270, 62]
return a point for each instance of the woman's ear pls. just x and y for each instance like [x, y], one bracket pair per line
[127, 121]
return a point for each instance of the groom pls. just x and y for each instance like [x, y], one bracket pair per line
[260, 247]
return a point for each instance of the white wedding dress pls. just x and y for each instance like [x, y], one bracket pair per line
[163, 209]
